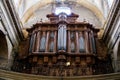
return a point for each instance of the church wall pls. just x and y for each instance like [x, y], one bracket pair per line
[84, 13]
[111, 34]
[116, 60]
[8, 50]
[114, 42]
[9, 29]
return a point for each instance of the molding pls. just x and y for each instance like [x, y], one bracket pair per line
[14, 19]
[7, 28]
[10, 75]
[111, 20]
[17, 19]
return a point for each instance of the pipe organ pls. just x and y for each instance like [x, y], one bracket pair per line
[61, 47]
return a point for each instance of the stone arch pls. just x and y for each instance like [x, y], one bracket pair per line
[30, 12]
[3, 50]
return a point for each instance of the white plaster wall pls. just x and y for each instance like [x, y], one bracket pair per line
[83, 13]
[25, 5]
[88, 15]
[103, 5]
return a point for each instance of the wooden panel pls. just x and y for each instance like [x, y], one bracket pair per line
[40, 61]
[69, 42]
[69, 59]
[35, 59]
[30, 60]
[88, 59]
[54, 59]
[45, 59]
[77, 59]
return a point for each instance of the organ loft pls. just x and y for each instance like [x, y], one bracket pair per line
[62, 47]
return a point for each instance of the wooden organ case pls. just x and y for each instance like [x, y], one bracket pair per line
[61, 47]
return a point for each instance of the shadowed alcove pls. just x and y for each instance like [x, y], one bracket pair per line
[3, 50]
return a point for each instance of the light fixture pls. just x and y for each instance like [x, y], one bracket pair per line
[67, 63]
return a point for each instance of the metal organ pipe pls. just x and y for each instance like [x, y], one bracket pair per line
[31, 43]
[93, 43]
[62, 37]
[38, 41]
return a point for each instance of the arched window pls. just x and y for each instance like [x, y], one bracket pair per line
[42, 44]
[82, 44]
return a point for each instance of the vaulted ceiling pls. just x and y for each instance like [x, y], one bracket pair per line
[93, 11]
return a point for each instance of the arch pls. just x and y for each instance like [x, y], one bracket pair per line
[30, 12]
[3, 49]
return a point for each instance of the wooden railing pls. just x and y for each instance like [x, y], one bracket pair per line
[9, 75]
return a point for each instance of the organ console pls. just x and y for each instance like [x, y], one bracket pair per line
[61, 47]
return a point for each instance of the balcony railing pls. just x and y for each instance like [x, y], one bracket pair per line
[9, 75]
